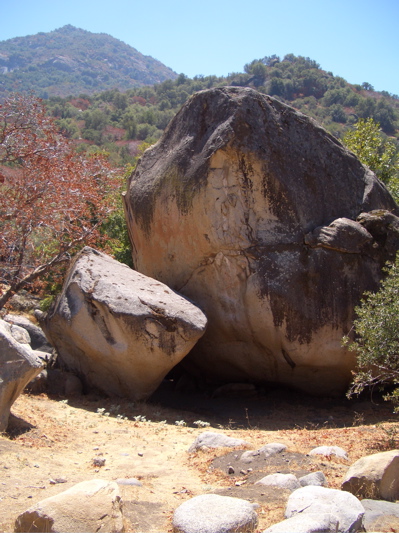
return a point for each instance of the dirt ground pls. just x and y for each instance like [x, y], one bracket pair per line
[53, 443]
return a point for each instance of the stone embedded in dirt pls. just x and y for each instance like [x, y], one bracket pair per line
[57, 480]
[343, 506]
[374, 476]
[98, 461]
[211, 513]
[118, 330]
[307, 523]
[314, 479]
[328, 451]
[89, 506]
[380, 515]
[256, 213]
[283, 481]
[265, 451]
[18, 365]
[215, 440]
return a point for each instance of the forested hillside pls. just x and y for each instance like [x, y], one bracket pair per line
[69, 61]
[119, 121]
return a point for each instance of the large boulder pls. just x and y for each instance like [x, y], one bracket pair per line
[118, 330]
[18, 365]
[344, 508]
[374, 476]
[250, 209]
[88, 507]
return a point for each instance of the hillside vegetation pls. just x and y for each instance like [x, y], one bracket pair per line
[70, 61]
[119, 121]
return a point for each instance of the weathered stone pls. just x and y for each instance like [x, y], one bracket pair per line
[265, 451]
[374, 476]
[307, 523]
[282, 481]
[328, 451]
[118, 330]
[314, 478]
[18, 365]
[348, 511]
[380, 516]
[342, 235]
[89, 507]
[249, 208]
[209, 439]
[211, 513]
[20, 334]
[38, 339]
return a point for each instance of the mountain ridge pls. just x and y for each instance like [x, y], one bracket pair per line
[71, 60]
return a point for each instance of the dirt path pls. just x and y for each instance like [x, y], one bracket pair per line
[53, 444]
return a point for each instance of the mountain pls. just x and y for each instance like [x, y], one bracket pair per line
[70, 61]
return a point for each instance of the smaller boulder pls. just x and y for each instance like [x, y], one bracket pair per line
[211, 513]
[315, 479]
[265, 451]
[209, 439]
[282, 481]
[118, 330]
[328, 451]
[374, 476]
[90, 506]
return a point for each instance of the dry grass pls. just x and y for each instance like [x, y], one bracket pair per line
[52, 438]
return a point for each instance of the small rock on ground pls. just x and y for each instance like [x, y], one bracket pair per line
[211, 513]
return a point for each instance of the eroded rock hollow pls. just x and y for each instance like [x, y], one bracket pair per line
[252, 210]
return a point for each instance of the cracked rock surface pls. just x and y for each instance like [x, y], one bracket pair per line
[271, 226]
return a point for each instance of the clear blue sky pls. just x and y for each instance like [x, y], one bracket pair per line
[355, 39]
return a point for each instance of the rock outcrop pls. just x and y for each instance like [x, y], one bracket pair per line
[268, 223]
[118, 330]
[18, 365]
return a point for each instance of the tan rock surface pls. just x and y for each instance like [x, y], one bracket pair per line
[374, 476]
[219, 210]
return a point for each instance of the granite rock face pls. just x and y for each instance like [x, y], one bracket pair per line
[271, 226]
[118, 330]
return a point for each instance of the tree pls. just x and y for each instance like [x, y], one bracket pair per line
[368, 143]
[51, 199]
[377, 337]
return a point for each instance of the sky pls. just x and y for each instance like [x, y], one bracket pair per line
[355, 39]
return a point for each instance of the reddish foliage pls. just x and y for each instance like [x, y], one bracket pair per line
[52, 201]
[80, 103]
[139, 100]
